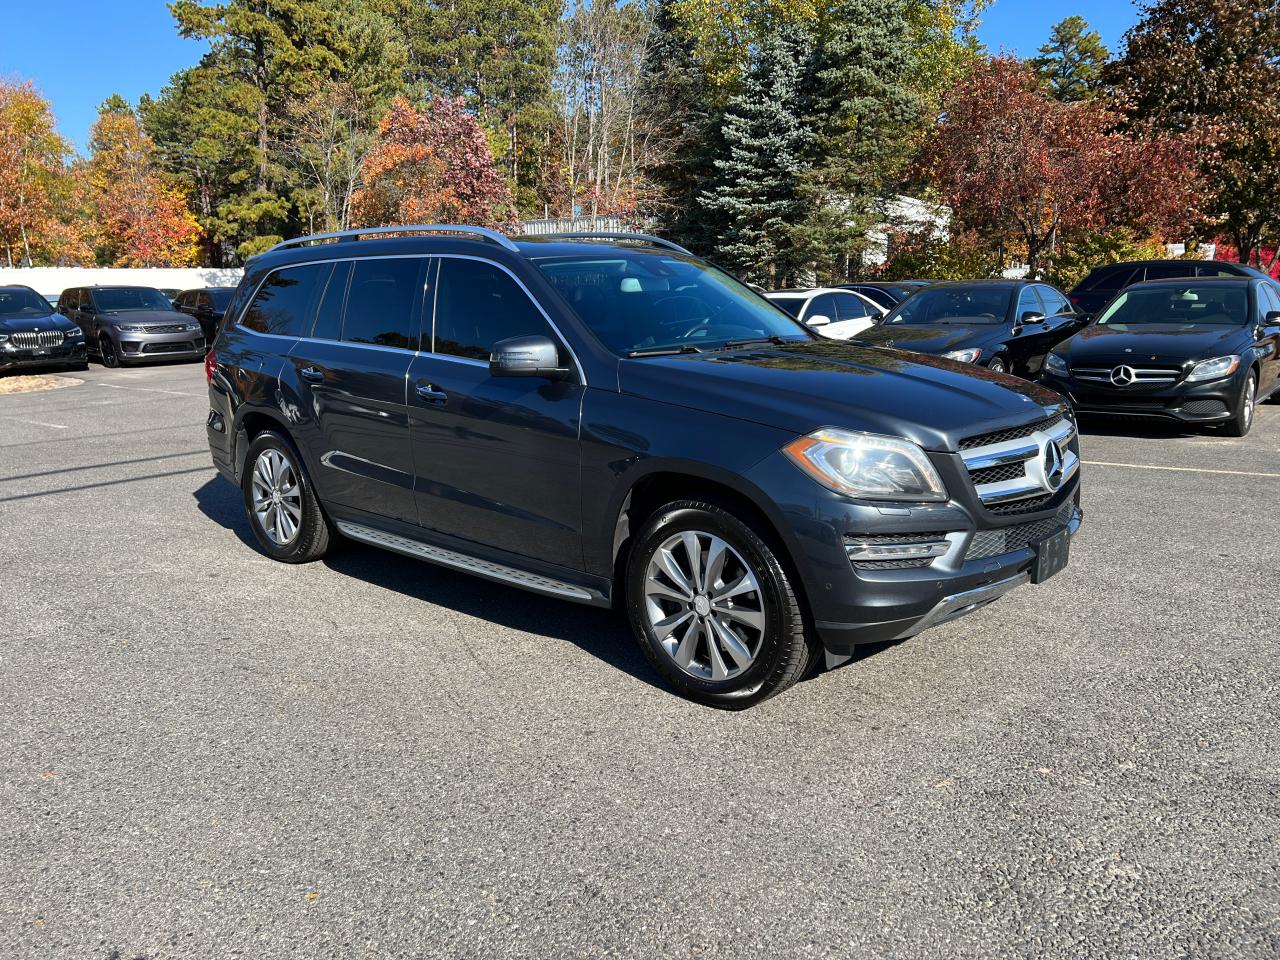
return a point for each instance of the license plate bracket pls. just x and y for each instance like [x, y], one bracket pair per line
[1051, 556]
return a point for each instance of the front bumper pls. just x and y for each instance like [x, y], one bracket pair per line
[146, 347]
[69, 351]
[1206, 402]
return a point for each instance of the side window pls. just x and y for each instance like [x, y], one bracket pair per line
[1055, 304]
[383, 302]
[1268, 299]
[201, 301]
[822, 306]
[477, 305]
[850, 307]
[1114, 278]
[1213, 270]
[1170, 271]
[285, 303]
[1028, 302]
[329, 316]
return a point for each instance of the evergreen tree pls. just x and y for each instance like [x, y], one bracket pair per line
[758, 194]
[865, 115]
[1070, 64]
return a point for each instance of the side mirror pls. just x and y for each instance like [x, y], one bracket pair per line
[533, 356]
[1272, 318]
[819, 320]
[1031, 316]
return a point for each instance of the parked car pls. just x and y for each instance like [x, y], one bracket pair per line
[1201, 351]
[1004, 325]
[607, 418]
[835, 314]
[887, 294]
[126, 325]
[32, 333]
[206, 305]
[1097, 289]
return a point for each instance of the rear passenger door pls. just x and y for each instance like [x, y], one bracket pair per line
[496, 457]
[349, 373]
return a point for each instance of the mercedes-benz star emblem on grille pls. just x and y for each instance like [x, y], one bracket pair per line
[1053, 466]
[1122, 376]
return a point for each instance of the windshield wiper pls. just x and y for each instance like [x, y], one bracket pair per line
[749, 341]
[664, 351]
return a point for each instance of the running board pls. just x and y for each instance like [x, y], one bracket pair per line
[468, 564]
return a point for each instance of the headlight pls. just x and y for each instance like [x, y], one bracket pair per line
[1214, 369]
[73, 333]
[866, 466]
[4, 338]
[968, 355]
[1055, 364]
[129, 328]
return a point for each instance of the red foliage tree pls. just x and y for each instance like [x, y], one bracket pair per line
[1015, 163]
[432, 165]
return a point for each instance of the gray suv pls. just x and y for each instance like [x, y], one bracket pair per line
[127, 325]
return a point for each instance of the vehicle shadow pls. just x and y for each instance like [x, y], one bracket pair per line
[1137, 427]
[602, 633]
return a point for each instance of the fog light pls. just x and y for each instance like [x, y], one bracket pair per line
[864, 552]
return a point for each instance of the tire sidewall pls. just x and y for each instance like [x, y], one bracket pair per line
[310, 508]
[1239, 425]
[1004, 365]
[769, 574]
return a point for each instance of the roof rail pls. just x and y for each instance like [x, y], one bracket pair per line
[612, 235]
[481, 233]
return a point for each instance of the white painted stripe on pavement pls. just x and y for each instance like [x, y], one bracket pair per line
[1152, 466]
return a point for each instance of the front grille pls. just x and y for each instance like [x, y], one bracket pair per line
[995, 543]
[1009, 471]
[33, 339]
[1016, 507]
[1011, 433]
[167, 328]
[1143, 376]
[1203, 408]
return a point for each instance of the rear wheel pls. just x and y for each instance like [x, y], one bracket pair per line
[1240, 424]
[714, 609]
[282, 506]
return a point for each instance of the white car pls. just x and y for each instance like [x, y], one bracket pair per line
[836, 314]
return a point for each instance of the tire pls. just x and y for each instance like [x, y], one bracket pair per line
[291, 527]
[738, 651]
[998, 365]
[1240, 424]
[107, 351]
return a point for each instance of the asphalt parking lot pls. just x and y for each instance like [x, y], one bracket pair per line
[204, 753]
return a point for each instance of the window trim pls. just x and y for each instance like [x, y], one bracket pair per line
[582, 375]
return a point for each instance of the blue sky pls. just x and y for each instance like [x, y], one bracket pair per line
[79, 52]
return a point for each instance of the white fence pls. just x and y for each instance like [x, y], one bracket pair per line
[611, 224]
[49, 281]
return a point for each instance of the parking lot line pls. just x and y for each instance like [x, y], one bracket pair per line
[176, 393]
[38, 423]
[1153, 466]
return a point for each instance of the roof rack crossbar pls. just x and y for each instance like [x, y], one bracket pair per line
[482, 233]
[614, 235]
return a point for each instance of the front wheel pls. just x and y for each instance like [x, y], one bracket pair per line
[107, 351]
[282, 507]
[1240, 424]
[713, 608]
[998, 365]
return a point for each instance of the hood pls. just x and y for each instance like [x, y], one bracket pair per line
[51, 321]
[838, 383]
[148, 316]
[934, 338]
[1170, 344]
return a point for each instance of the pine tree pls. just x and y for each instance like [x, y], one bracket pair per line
[758, 193]
[1070, 64]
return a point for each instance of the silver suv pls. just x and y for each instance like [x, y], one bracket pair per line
[127, 325]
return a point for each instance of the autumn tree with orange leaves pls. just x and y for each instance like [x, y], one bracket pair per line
[32, 175]
[142, 220]
[432, 165]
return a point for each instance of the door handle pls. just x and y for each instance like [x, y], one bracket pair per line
[314, 374]
[430, 393]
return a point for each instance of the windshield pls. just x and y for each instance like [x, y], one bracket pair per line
[20, 303]
[640, 302]
[127, 299]
[963, 305]
[1226, 304]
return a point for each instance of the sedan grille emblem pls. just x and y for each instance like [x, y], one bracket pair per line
[1122, 376]
[1054, 469]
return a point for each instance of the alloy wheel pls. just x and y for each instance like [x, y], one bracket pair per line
[1250, 400]
[107, 349]
[704, 605]
[277, 496]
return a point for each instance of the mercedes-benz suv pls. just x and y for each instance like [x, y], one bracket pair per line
[608, 419]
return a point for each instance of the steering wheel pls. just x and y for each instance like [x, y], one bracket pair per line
[697, 323]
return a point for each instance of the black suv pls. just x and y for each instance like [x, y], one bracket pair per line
[1096, 290]
[608, 419]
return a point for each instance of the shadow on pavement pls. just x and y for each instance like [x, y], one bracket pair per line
[602, 633]
[1138, 427]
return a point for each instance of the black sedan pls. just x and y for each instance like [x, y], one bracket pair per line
[1005, 325]
[884, 292]
[33, 334]
[1197, 351]
[206, 305]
